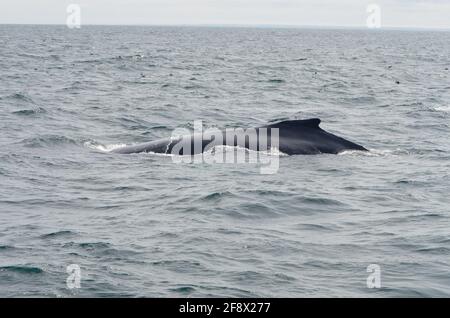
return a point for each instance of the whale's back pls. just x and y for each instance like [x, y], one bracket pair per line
[306, 137]
[296, 137]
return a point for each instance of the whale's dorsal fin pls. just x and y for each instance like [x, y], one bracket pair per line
[311, 123]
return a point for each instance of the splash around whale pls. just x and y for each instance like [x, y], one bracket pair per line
[292, 137]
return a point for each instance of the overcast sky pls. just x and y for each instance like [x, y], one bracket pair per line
[394, 13]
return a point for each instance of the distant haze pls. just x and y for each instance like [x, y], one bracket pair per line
[349, 13]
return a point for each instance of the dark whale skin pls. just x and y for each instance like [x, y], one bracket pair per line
[296, 137]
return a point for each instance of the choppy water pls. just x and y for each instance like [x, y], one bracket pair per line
[140, 225]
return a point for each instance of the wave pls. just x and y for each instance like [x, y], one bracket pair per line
[133, 57]
[48, 140]
[438, 250]
[22, 269]
[30, 112]
[216, 196]
[320, 201]
[57, 234]
[276, 81]
[103, 249]
[193, 87]
[315, 227]
[55, 57]
[185, 290]
[18, 96]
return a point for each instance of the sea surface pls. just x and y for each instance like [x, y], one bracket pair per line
[142, 225]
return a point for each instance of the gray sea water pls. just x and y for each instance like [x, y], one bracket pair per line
[142, 225]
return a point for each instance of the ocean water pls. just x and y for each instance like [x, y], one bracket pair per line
[142, 225]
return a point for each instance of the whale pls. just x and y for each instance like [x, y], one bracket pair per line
[291, 137]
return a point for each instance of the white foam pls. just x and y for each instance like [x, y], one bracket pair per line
[373, 152]
[103, 148]
[224, 148]
[108, 148]
[445, 109]
[159, 154]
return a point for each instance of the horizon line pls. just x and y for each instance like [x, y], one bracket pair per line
[238, 25]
